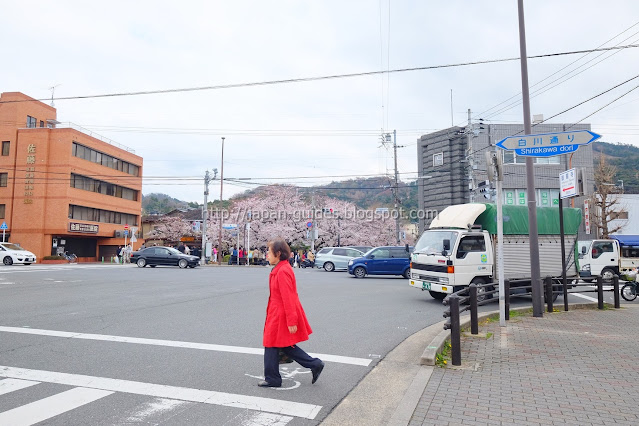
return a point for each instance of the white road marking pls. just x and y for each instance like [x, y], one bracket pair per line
[592, 299]
[157, 406]
[52, 406]
[277, 406]
[50, 268]
[10, 385]
[175, 344]
[266, 419]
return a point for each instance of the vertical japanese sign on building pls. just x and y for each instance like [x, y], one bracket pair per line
[29, 174]
[587, 216]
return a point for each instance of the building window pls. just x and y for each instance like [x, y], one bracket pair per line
[98, 215]
[2, 207]
[32, 122]
[41, 123]
[101, 187]
[438, 159]
[619, 215]
[97, 157]
[4, 177]
[5, 148]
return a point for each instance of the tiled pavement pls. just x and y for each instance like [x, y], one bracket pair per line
[579, 367]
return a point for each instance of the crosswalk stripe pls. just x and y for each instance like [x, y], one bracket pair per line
[277, 406]
[365, 362]
[52, 406]
[10, 385]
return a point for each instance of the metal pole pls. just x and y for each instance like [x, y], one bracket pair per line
[396, 188]
[313, 223]
[455, 338]
[205, 211]
[563, 253]
[221, 216]
[503, 314]
[615, 288]
[535, 274]
[469, 156]
[548, 284]
[507, 294]
[474, 326]
[600, 299]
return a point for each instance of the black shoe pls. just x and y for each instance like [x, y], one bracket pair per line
[265, 384]
[316, 372]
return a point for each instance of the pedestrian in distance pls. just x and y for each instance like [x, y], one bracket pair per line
[117, 253]
[286, 324]
[187, 250]
[181, 248]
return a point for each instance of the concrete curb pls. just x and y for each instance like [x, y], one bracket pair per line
[436, 345]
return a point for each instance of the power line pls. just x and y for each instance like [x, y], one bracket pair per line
[319, 78]
[483, 113]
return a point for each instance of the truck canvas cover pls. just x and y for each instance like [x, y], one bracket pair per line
[627, 240]
[516, 220]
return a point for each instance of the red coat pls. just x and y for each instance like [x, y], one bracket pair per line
[284, 309]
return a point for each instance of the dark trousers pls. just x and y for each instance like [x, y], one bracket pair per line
[272, 362]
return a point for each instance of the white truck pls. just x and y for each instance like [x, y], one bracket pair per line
[460, 247]
[617, 255]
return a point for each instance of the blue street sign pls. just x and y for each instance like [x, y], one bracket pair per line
[126, 232]
[4, 225]
[547, 144]
[309, 224]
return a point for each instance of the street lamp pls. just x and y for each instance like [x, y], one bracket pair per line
[219, 242]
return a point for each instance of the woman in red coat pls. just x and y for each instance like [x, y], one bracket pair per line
[286, 322]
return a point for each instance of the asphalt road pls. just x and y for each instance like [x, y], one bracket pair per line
[117, 344]
[105, 311]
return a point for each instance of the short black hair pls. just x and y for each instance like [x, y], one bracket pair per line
[278, 245]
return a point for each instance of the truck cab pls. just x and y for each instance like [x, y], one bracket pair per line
[601, 257]
[618, 255]
[447, 258]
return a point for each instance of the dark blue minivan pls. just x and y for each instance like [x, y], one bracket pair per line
[393, 260]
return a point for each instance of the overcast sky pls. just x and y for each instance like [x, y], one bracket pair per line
[321, 128]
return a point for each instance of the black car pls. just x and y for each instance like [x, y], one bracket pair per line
[169, 256]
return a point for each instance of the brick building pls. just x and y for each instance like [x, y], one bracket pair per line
[61, 189]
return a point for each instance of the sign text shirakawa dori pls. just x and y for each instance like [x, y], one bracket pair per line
[547, 144]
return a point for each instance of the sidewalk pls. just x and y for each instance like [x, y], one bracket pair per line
[579, 367]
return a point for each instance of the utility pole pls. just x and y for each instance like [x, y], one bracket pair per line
[205, 213]
[396, 188]
[313, 222]
[535, 273]
[219, 242]
[471, 162]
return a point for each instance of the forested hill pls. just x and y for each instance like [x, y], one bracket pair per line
[625, 158]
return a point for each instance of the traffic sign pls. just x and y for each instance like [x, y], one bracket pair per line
[547, 144]
[126, 232]
[568, 183]
[4, 225]
[309, 224]
[126, 227]
[229, 226]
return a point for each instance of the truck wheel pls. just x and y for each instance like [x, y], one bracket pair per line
[437, 295]
[607, 274]
[481, 291]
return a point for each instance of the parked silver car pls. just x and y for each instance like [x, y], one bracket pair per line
[333, 258]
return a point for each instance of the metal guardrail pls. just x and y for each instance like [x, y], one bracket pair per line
[470, 293]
